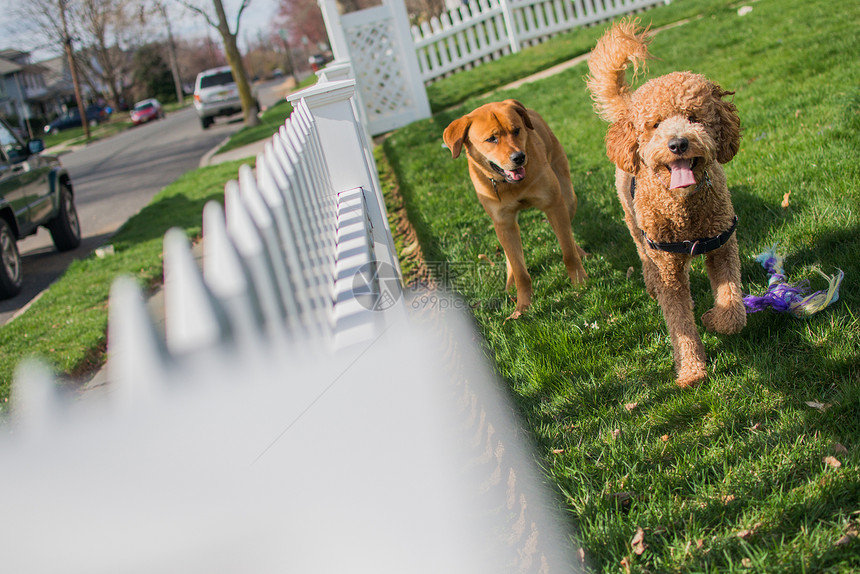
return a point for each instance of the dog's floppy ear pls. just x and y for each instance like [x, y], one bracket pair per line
[622, 146]
[730, 125]
[522, 111]
[455, 134]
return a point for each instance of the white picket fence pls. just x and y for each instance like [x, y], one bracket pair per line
[484, 30]
[293, 416]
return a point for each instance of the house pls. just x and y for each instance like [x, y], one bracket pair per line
[24, 95]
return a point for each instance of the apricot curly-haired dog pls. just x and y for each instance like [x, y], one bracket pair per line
[667, 140]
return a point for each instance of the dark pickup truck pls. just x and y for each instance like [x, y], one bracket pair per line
[35, 190]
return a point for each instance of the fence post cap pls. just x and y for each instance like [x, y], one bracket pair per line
[324, 93]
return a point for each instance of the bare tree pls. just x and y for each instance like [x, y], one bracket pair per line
[301, 19]
[234, 57]
[196, 54]
[104, 24]
[171, 47]
[42, 14]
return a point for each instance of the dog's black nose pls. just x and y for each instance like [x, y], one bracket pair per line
[519, 158]
[678, 145]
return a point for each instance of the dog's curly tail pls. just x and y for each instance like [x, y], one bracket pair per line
[624, 43]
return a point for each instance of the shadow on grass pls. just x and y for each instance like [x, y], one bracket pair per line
[153, 221]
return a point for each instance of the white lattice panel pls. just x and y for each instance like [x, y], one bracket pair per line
[385, 67]
[379, 71]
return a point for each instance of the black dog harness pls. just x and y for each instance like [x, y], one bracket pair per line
[697, 246]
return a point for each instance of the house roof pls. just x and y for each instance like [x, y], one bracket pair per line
[7, 67]
[12, 54]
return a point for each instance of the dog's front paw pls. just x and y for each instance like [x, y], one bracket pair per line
[577, 275]
[725, 320]
[691, 374]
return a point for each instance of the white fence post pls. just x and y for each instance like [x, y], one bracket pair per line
[331, 18]
[510, 25]
[342, 137]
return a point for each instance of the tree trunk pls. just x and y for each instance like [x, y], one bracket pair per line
[234, 58]
[67, 43]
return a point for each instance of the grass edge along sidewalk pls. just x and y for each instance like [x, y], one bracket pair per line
[756, 469]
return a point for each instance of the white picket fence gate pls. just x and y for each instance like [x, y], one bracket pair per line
[293, 416]
[484, 30]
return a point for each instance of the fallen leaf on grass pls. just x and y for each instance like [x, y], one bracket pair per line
[816, 405]
[831, 461]
[631, 406]
[514, 316]
[839, 449]
[748, 533]
[665, 438]
[557, 450]
[848, 538]
[483, 257]
[638, 542]
[625, 565]
[410, 249]
[785, 199]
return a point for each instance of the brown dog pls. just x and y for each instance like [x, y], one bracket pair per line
[667, 140]
[516, 162]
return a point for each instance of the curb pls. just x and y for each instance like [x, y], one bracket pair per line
[207, 157]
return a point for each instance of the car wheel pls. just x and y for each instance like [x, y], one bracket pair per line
[206, 122]
[11, 272]
[65, 228]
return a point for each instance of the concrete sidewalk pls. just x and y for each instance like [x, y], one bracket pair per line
[212, 157]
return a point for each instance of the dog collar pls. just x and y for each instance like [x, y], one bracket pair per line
[499, 197]
[697, 246]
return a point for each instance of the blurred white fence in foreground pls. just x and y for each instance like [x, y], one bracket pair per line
[293, 417]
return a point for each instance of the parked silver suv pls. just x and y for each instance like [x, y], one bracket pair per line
[216, 94]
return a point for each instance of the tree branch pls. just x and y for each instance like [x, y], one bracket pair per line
[199, 11]
[245, 4]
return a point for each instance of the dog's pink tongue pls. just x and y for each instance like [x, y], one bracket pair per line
[517, 174]
[682, 175]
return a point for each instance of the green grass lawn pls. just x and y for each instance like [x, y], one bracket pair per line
[731, 475]
[76, 135]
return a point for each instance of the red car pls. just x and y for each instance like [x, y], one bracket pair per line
[146, 110]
